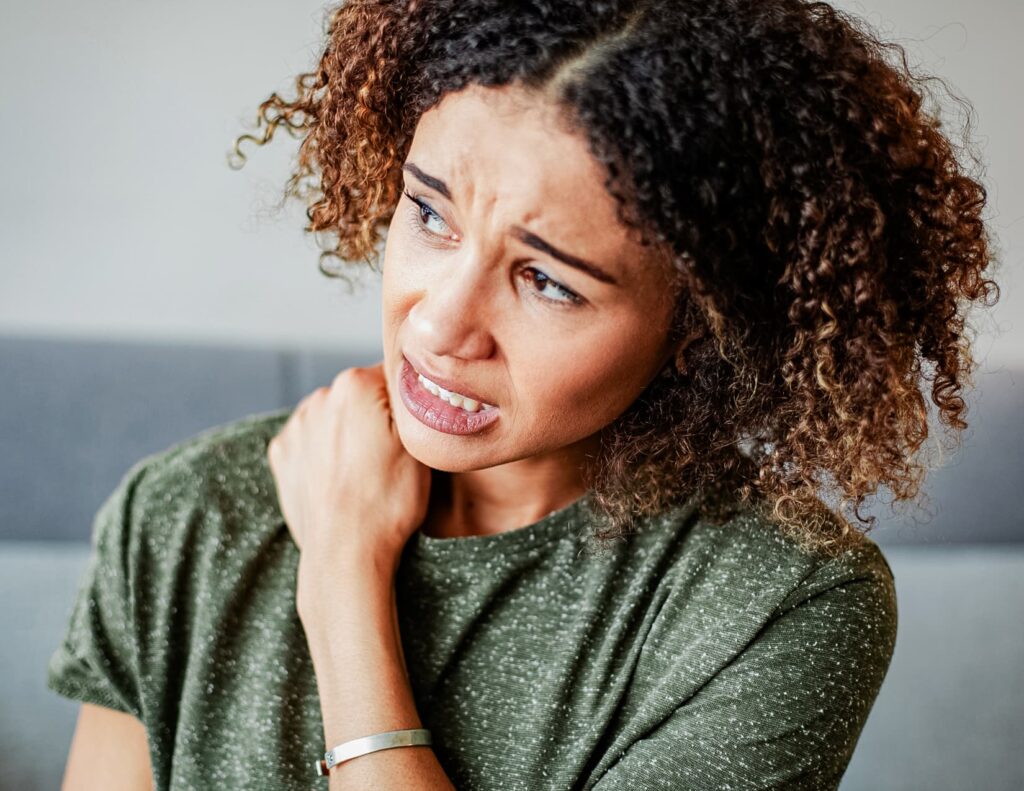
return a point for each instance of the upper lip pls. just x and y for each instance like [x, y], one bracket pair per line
[447, 384]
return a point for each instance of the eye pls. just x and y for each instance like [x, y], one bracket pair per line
[423, 214]
[540, 284]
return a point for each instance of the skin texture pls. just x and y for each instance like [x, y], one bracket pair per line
[344, 482]
[108, 753]
[478, 306]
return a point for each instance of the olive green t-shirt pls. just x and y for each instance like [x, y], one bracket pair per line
[691, 656]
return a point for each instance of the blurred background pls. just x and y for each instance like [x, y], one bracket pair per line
[148, 291]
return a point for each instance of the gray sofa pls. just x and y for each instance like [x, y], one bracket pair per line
[77, 414]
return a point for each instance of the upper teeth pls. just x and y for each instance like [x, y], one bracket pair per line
[455, 399]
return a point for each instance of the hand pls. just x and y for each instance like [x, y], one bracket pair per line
[345, 482]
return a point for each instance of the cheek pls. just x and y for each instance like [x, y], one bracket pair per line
[396, 288]
[583, 388]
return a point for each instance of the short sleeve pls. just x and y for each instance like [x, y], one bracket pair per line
[97, 660]
[787, 712]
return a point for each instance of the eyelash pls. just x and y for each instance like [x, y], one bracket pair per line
[573, 300]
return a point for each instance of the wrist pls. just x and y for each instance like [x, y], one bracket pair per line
[350, 551]
[353, 587]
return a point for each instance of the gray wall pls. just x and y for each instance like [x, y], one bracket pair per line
[119, 217]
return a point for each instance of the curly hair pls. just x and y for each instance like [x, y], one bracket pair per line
[825, 235]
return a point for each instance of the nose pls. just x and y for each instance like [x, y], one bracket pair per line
[453, 316]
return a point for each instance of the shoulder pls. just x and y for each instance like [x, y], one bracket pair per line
[241, 441]
[171, 539]
[817, 594]
[763, 657]
[752, 541]
[216, 481]
[747, 573]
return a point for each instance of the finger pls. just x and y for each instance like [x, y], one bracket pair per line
[304, 404]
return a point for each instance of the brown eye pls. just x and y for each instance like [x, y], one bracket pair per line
[543, 287]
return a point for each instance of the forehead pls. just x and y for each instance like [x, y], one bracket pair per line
[509, 131]
[509, 150]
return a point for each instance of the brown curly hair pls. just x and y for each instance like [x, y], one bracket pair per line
[825, 236]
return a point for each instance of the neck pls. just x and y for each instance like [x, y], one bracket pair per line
[508, 496]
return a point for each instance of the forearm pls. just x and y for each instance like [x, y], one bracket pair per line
[363, 683]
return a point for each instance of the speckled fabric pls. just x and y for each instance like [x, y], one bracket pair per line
[690, 657]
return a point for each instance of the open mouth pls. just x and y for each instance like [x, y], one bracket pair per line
[447, 412]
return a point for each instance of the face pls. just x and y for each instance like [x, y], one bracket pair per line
[507, 277]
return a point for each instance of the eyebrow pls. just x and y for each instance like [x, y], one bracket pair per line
[520, 233]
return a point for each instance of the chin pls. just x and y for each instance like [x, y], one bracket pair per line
[443, 452]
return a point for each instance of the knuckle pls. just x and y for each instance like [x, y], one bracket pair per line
[346, 374]
[344, 380]
[315, 395]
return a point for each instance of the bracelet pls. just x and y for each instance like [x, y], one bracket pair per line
[368, 744]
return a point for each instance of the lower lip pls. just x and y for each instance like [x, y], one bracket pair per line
[437, 413]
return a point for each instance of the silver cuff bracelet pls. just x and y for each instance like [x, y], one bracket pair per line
[367, 744]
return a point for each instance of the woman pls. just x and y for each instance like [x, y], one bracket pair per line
[660, 279]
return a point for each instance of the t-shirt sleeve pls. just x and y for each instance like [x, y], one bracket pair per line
[787, 712]
[97, 659]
